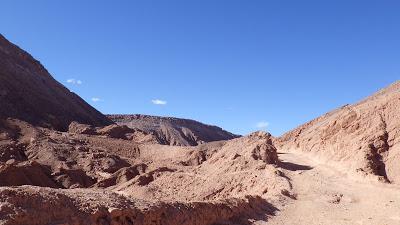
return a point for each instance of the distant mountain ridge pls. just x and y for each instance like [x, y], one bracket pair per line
[28, 92]
[174, 131]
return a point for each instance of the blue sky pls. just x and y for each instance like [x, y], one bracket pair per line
[241, 65]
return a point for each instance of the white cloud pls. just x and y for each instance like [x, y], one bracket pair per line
[74, 81]
[96, 99]
[262, 125]
[158, 102]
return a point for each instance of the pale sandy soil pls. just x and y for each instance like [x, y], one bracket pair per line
[327, 196]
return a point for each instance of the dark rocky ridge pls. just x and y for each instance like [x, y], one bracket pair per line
[28, 92]
[174, 131]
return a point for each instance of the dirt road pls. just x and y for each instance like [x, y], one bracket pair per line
[328, 196]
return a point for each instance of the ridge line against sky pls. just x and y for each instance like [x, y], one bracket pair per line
[239, 65]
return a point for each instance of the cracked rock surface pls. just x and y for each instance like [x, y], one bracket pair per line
[364, 136]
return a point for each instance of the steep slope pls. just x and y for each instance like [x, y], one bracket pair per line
[364, 137]
[28, 92]
[174, 131]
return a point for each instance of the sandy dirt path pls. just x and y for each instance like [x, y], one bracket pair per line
[327, 196]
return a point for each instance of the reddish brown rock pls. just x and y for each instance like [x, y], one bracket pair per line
[29, 93]
[174, 131]
[78, 128]
[115, 131]
[107, 208]
[17, 174]
[364, 137]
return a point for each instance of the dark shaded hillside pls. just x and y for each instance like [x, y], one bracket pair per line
[28, 92]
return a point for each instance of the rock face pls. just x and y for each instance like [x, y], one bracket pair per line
[13, 174]
[364, 136]
[28, 92]
[211, 171]
[174, 131]
[107, 208]
[115, 131]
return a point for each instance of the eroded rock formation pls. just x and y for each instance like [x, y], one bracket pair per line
[365, 136]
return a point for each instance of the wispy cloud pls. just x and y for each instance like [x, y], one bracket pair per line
[95, 99]
[262, 125]
[74, 81]
[158, 102]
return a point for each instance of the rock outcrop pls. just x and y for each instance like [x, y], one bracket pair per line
[28, 173]
[107, 208]
[365, 136]
[116, 131]
[78, 128]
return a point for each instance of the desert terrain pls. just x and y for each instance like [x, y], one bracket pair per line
[63, 162]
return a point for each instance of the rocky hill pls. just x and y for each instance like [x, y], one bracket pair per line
[28, 92]
[117, 181]
[63, 162]
[174, 131]
[365, 136]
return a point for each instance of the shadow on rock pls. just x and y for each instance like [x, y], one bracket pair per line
[293, 166]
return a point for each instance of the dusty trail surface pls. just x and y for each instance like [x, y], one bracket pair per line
[327, 196]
